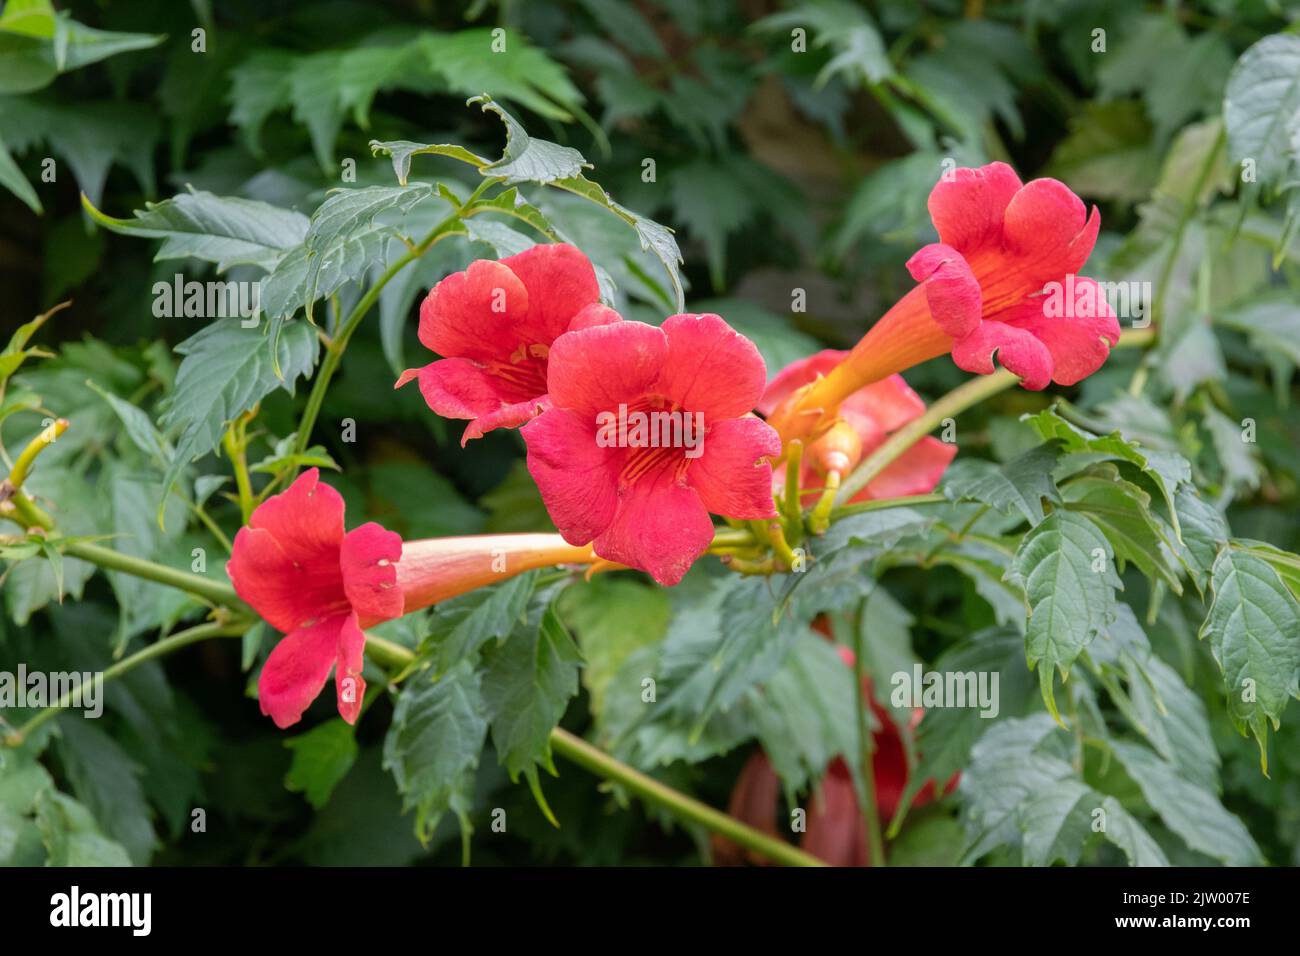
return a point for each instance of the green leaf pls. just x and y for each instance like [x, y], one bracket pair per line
[37, 44]
[400, 152]
[476, 61]
[1192, 812]
[1204, 532]
[71, 835]
[228, 369]
[1122, 511]
[12, 179]
[1261, 106]
[805, 714]
[612, 618]
[1067, 569]
[108, 781]
[434, 743]
[858, 52]
[224, 230]
[1020, 484]
[461, 626]
[344, 214]
[1108, 153]
[1254, 631]
[526, 159]
[945, 737]
[1167, 471]
[528, 681]
[321, 758]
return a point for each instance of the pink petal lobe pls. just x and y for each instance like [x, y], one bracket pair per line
[1017, 350]
[561, 282]
[285, 562]
[915, 472]
[592, 316]
[1042, 223]
[460, 388]
[475, 314]
[797, 374]
[593, 370]
[710, 367]
[733, 477]
[349, 686]
[297, 668]
[968, 206]
[1080, 340]
[577, 478]
[661, 527]
[951, 289]
[368, 559]
[890, 403]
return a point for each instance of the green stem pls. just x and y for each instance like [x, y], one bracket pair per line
[189, 636]
[955, 402]
[334, 354]
[214, 592]
[234, 445]
[687, 808]
[866, 745]
[884, 504]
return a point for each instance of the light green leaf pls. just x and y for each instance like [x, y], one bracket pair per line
[228, 369]
[1192, 812]
[1254, 631]
[321, 758]
[433, 745]
[1067, 568]
[224, 230]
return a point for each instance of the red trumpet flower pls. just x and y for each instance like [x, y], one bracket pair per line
[868, 416]
[494, 324]
[298, 568]
[643, 495]
[1000, 281]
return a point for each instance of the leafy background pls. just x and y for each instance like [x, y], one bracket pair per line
[779, 171]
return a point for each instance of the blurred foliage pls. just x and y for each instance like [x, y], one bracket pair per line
[791, 147]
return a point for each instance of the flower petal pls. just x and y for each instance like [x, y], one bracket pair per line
[733, 476]
[661, 527]
[297, 668]
[1045, 222]
[368, 560]
[968, 206]
[592, 316]
[835, 830]
[561, 282]
[1017, 350]
[285, 562]
[577, 478]
[710, 367]
[915, 472]
[890, 403]
[475, 314]
[349, 685]
[797, 374]
[593, 370]
[951, 288]
[1080, 340]
[460, 388]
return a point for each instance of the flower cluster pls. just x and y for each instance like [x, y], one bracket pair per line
[636, 434]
